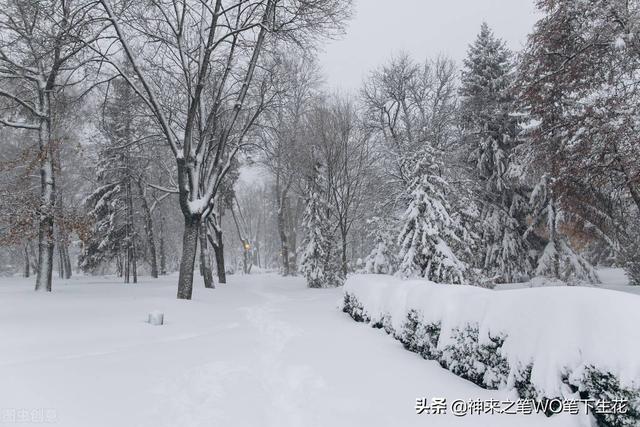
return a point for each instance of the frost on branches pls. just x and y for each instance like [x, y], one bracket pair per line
[490, 136]
[430, 232]
[320, 263]
[382, 258]
[558, 259]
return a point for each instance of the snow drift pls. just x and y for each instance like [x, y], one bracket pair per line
[543, 342]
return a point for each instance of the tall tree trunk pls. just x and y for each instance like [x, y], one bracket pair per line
[60, 260]
[220, 268]
[132, 266]
[214, 235]
[148, 228]
[134, 260]
[205, 260]
[163, 257]
[188, 259]
[67, 263]
[343, 235]
[127, 265]
[27, 262]
[47, 202]
[293, 233]
[119, 267]
[282, 231]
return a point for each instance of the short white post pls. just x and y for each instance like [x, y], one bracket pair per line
[156, 318]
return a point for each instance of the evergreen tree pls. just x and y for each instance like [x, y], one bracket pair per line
[579, 80]
[430, 232]
[112, 205]
[490, 135]
[320, 262]
[382, 258]
[558, 260]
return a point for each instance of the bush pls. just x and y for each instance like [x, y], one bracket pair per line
[482, 362]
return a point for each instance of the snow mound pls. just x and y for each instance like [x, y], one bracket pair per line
[559, 334]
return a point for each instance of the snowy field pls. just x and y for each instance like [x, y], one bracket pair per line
[261, 351]
[614, 279]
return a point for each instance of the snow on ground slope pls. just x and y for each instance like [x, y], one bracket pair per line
[611, 278]
[260, 351]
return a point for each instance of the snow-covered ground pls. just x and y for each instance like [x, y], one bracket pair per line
[261, 351]
[611, 278]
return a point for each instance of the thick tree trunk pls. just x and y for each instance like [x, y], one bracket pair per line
[220, 268]
[214, 235]
[67, 263]
[205, 260]
[293, 233]
[64, 263]
[188, 259]
[47, 204]
[119, 269]
[148, 228]
[284, 238]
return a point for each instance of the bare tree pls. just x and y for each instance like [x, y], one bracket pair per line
[39, 48]
[408, 104]
[209, 53]
[282, 139]
[346, 150]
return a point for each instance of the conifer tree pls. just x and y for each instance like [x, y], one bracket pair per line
[558, 260]
[382, 258]
[430, 232]
[112, 207]
[320, 263]
[490, 135]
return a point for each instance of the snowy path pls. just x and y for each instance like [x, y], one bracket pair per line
[261, 351]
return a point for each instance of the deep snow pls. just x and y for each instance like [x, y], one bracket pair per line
[261, 351]
[557, 330]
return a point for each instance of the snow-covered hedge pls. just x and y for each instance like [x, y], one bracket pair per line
[555, 342]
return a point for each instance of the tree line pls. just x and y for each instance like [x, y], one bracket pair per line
[140, 119]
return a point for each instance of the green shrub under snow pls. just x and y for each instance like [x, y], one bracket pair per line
[483, 361]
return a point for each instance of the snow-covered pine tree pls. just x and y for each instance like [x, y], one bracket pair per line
[111, 205]
[382, 258]
[489, 135]
[320, 264]
[379, 261]
[558, 259]
[430, 232]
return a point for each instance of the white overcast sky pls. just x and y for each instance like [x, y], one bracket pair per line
[423, 28]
